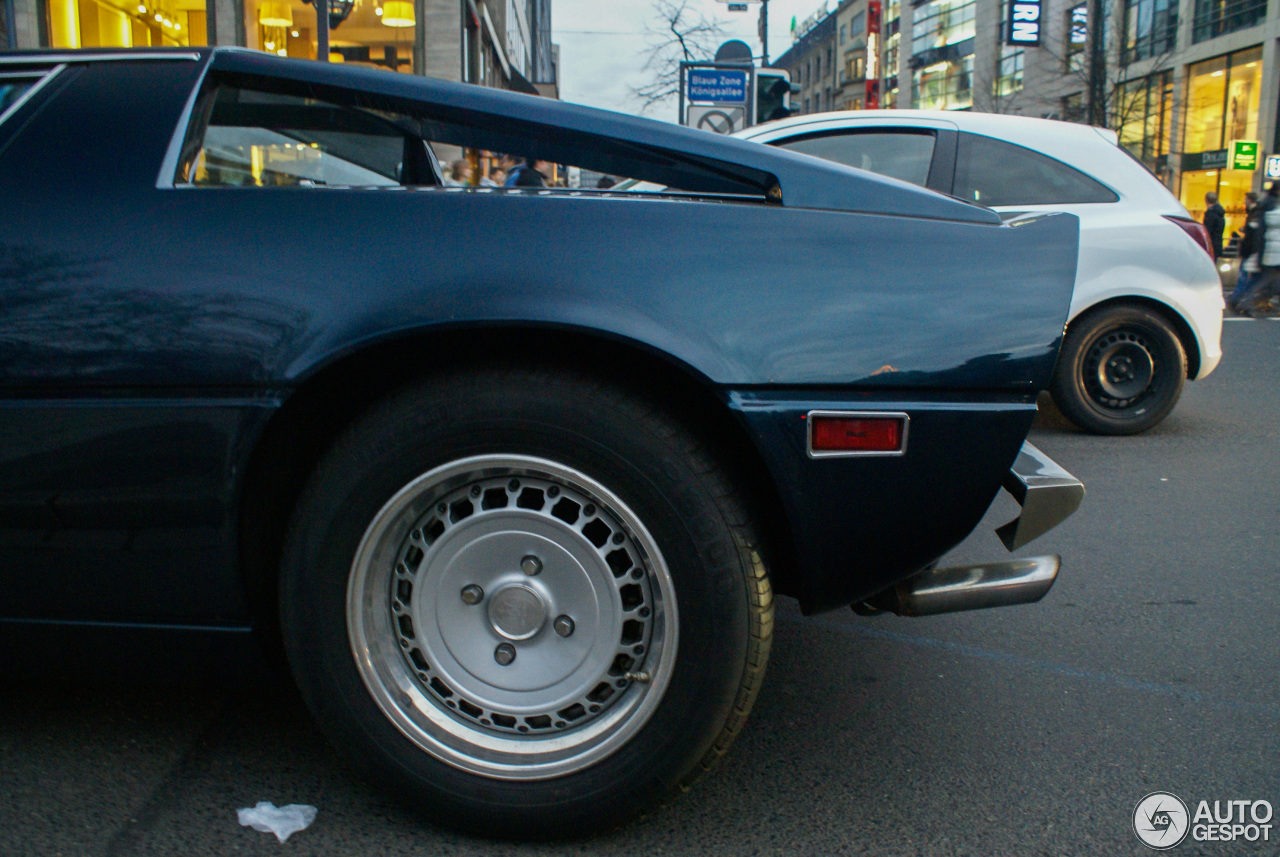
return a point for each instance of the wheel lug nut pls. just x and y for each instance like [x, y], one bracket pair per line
[472, 594]
[504, 654]
[531, 565]
[563, 626]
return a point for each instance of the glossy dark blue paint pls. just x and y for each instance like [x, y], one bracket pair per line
[147, 333]
[863, 523]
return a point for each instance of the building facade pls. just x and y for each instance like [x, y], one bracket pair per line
[1178, 80]
[500, 43]
[812, 62]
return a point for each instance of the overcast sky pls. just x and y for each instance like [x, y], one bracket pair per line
[602, 44]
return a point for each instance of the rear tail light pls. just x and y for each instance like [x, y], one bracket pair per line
[838, 433]
[1198, 233]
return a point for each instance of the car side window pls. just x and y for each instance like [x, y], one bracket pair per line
[899, 153]
[992, 172]
[263, 139]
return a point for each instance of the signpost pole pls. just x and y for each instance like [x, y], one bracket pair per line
[322, 30]
[764, 33]
[681, 119]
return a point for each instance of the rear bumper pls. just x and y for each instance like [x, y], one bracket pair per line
[1047, 493]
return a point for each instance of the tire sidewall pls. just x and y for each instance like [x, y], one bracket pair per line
[634, 457]
[1069, 387]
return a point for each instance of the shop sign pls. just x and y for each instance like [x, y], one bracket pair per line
[1244, 155]
[1024, 23]
[1215, 160]
[871, 92]
[1273, 167]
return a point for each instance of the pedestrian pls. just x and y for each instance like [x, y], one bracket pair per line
[1215, 220]
[528, 173]
[497, 178]
[1244, 249]
[460, 173]
[1264, 252]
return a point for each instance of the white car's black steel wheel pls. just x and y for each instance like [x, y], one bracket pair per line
[1120, 371]
[512, 616]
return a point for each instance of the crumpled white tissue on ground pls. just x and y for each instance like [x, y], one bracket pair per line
[283, 821]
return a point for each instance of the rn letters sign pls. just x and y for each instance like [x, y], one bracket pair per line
[1024, 23]
[718, 86]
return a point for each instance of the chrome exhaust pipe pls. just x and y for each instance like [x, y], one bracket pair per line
[975, 587]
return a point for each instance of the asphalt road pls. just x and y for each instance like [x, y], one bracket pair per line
[1152, 665]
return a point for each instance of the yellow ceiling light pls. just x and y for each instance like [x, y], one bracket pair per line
[275, 14]
[398, 13]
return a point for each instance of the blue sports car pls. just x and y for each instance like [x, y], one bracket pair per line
[510, 475]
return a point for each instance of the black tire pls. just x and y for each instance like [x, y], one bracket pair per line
[1121, 370]
[603, 442]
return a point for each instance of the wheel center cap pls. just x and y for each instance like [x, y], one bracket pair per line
[517, 612]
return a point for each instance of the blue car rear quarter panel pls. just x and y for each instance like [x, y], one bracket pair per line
[118, 292]
[863, 523]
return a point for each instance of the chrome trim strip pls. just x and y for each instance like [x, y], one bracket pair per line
[30, 93]
[87, 57]
[167, 178]
[902, 450]
[977, 587]
[1047, 493]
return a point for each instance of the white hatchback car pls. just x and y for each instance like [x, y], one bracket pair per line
[1147, 308]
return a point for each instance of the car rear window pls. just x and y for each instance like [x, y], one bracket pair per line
[901, 154]
[992, 172]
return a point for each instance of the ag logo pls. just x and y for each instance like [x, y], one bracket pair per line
[1161, 820]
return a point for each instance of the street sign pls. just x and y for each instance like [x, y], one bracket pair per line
[717, 120]
[1273, 167]
[717, 85]
[1244, 155]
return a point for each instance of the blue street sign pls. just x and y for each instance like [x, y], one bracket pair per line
[717, 85]
[1273, 167]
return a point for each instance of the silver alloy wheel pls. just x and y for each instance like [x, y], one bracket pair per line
[512, 617]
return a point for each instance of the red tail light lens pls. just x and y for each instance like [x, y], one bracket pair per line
[844, 433]
[1198, 233]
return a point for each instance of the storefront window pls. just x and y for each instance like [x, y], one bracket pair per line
[1216, 17]
[1077, 37]
[1145, 114]
[1010, 79]
[374, 33]
[1150, 27]
[942, 23]
[1073, 108]
[1222, 105]
[1223, 101]
[943, 86]
[126, 23]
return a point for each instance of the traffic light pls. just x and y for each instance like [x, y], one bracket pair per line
[773, 94]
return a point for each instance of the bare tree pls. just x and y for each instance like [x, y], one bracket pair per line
[677, 33]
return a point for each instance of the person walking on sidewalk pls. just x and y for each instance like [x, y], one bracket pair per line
[1243, 250]
[1215, 220]
[1263, 252]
